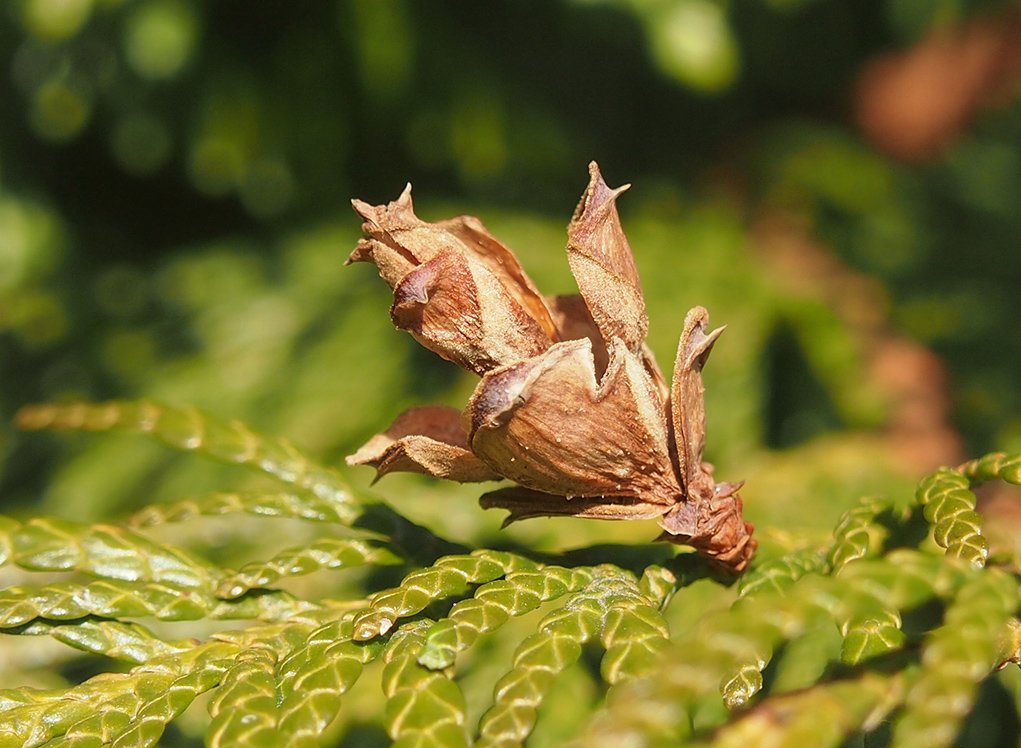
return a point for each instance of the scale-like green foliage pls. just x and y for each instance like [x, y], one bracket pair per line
[188, 429]
[903, 634]
[492, 605]
[950, 508]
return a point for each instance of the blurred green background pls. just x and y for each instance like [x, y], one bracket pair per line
[838, 181]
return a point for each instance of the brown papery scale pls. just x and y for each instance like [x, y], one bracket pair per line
[571, 405]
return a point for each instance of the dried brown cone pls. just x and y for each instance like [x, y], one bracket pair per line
[571, 406]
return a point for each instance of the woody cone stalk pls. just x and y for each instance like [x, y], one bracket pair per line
[571, 406]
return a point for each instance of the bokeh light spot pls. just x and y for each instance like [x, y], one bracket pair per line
[38, 317]
[267, 188]
[55, 20]
[160, 37]
[478, 133]
[692, 42]
[385, 68]
[29, 242]
[131, 354]
[216, 165]
[59, 111]
[141, 143]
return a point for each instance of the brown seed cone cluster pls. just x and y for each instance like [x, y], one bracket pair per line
[571, 405]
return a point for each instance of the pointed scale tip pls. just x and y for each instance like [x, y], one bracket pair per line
[596, 177]
[371, 213]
